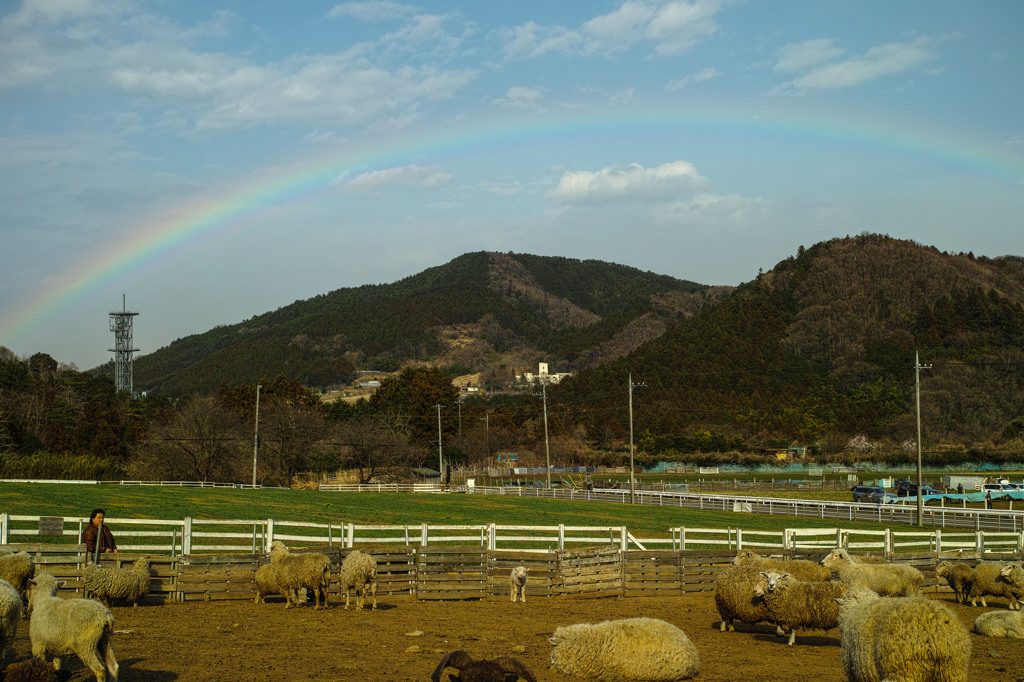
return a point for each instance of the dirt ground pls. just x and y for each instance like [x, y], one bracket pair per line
[405, 639]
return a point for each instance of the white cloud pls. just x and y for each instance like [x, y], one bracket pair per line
[632, 183]
[621, 97]
[673, 27]
[808, 54]
[879, 61]
[521, 97]
[405, 176]
[373, 11]
[719, 209]
[701, 76]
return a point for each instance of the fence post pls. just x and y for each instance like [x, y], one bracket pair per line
[270, 534]
[979, 542]
[186, 536]
[423, 534]
[623, 533]
[938, 540]
[5, 520]
[839, 538]
[739, 539]
[561, 537]
[888, 549]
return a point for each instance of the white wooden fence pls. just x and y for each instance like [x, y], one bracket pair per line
[252, 536]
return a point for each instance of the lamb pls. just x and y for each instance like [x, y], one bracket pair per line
[517, 584]
[801, 569]
[501, 669]
[633, 648]
[17, 568]
[296, 571]
[1013, 574]
[107, 584]
[10, 616]
[359, 572]
[888, 580]
[266, 583]
[734, 597]
[1000, 624]
[960, 577]
[61, 627]
[988, 581]
[913, 639]
[794, 604]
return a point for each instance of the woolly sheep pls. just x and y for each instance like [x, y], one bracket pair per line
[17, 569]
[517, 584]
[960, 577]
[1013, 574]
[501, 669]
[1000, 624]
[10, 616]
[912, 639]
[801, 569]
[359, 572]
[734, 597]
[794, 604]
[888, 580]
[296, 571]
[30, 670]
[109, 583]
[988, 581]
[266, 583]
[61, 627]
[633, 648]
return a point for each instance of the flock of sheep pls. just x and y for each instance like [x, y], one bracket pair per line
[887, 631]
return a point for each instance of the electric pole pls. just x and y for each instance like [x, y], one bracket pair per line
[632, 481]
[487, 434]
[256, 436]
[917, 385]
[547, 450]
[440, 452]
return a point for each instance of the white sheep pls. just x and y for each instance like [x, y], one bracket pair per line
[801, 569]
[61, 627]
[887, 580]
[10, 616]
[912, 639]
[17, 568]
[311, 571]
[108, 583]
[266, 583]
[989, 581]
[795, 604]
[960, 577]
[517, 584]
[633, 648]
[734, 598]
[358, 572]
[1000, 624]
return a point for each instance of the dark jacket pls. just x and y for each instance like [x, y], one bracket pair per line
[106, 541]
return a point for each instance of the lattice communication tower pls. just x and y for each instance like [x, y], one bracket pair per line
[121, 325]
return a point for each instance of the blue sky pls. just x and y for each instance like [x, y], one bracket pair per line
[216, 160]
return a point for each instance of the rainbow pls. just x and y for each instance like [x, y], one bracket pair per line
[163, 238]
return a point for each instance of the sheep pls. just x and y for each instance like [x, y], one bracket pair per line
[794, 604]
[633, 648]
[1013, 575]
[912, 639]
[1000, 624]
[266, 583]
[734, 597]
[30, 670]
[109, 583]
[10, 616]
[517, 584]
[61, 627]
[296, 571]
[989, 582]
[501, 669]
[17, 568]
[888, 580]
[801, 569]
[960, 577]
[359, 572]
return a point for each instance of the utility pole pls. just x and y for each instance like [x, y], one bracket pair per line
[440, 452]
[547, 449]
[632, 482]
[256, 436]
[460, 415]
[917, 384]
[487, 434]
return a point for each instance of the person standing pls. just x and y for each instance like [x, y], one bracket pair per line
[98, 533]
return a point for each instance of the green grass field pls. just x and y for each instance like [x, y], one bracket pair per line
[44, 499]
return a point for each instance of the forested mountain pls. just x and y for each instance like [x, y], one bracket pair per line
[478, 313]
[820, 350]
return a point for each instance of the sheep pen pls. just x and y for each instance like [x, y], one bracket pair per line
[406, 637]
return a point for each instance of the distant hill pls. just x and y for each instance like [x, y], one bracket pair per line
[821, 348]
[481, 312]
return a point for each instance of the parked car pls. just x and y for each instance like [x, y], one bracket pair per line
[862, 491]
[906, 488]
[998, 487]
[885, 498]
